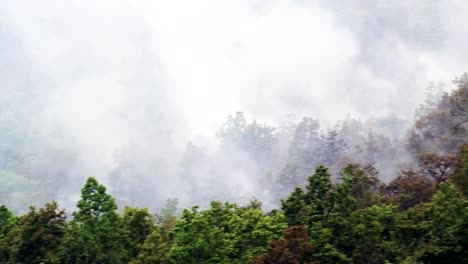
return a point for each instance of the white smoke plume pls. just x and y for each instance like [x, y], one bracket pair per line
[121, 87]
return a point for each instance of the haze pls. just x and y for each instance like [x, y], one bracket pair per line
[107, 88]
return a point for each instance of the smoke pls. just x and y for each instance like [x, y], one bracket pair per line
[121, 87]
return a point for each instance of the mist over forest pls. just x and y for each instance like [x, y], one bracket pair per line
[148, 96]
[296, 131]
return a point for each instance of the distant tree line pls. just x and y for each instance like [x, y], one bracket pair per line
[343, 213]
[413, 219]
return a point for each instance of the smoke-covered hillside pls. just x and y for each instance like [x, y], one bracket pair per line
[290, 131]
[138, 94]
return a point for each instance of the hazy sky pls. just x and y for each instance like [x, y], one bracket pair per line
[111, 73]
[207, 59]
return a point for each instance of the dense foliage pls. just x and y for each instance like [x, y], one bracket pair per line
[357, 220]
[342, 213]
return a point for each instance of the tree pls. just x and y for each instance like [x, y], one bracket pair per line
[442, 126]
[254, 139]
[460, 177]
[153, 251]
[95, 204]
[7, 221]
[320, 207]
[303, 147]
[363, 182]
[294, 247]
[157, 245]
[439, 168]
[375, 148]
[302, 156]
[225, 233]
[37, 236]
[291, 176]
[96, 233]
[372, 235]
[331, 149]
[139, 224]
[408, 189]
[459, 112]
[295, 209]
[447, 226]
[316, 195]
[304, 208]
[234, 128]
[305, 139]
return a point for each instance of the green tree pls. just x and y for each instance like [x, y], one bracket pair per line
[460, 177]
[97, 233]
[363, 182]
[373, 235]
[157, 245]
[326, 251]
[7, 221]
[295, 209]
[139, 224]
[312, 205]
[322, 207]
[37, 236]
[225, 233]
[447, 223]
[153, 250]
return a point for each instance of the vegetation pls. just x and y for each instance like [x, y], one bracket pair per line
[354, 221]
[342, 213]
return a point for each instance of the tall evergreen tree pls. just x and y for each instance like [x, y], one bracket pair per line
[97, 233]
[7, 221]
[363, 182]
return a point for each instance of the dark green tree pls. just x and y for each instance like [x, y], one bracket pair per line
[37, 236]
[363, 182]
[320, 207]
[317, 194]
[447, 224]
[295, 209]
[460, 177]
[304, 207]
[157, 245]
[139, 223]
[372, 235]
[7, 221]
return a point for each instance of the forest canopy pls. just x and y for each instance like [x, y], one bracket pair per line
[334, 205]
